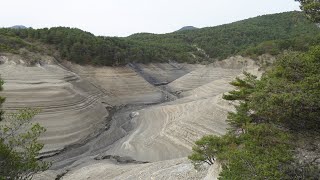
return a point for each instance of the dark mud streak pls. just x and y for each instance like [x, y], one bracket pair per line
[120, 160]
[60, 176]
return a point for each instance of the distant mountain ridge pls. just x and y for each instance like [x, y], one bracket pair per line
[18, 27]
[185, 28]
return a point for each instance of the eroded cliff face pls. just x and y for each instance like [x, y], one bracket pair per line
[146, 115]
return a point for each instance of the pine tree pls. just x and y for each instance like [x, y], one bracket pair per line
[311, 8]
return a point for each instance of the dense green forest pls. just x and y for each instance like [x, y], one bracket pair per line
[225, 40]
[252, 37]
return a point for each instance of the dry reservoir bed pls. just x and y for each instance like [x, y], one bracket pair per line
[137, 121]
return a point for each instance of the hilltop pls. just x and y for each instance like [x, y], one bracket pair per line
[186, 28]
[18, 27]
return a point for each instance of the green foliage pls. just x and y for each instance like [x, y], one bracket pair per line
[259, 153]
[240, 119]
[275, 47]
[10, 42]
[262, 151]
[311, 8]
[264, 34]
[19, 146]
[222, 41]
[206, 150]
[289, 93]
[244, 87]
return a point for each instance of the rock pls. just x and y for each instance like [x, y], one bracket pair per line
[134, 114]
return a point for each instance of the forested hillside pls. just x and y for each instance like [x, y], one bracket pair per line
[264, 34]
[225, 40]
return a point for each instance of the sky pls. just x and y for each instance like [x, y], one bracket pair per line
[126, 17]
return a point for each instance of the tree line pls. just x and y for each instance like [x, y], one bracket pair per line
[252, 37]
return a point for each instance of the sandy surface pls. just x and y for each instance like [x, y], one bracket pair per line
[126, 112]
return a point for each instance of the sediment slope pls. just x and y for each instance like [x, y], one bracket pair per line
[121, 85]
[70, 108]
[96, 112]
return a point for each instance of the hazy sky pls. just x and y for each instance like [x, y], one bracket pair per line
[125, 17]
